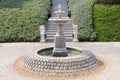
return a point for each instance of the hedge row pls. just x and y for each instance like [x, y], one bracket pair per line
[82, 15]
[107, 22]
[22, 23]
[108, 1]
[11, 3]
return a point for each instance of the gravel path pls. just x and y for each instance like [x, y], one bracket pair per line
[9, 52]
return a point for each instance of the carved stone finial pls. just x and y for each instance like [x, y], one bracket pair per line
[59, 13]
[59, 7]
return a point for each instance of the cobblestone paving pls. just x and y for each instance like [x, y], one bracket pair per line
[9, 52]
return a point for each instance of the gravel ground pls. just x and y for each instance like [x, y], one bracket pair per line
[110, 52]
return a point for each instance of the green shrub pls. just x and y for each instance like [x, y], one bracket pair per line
[107, 22]
[109, 1]
[22, 24]
[82, 16]
[11, 3]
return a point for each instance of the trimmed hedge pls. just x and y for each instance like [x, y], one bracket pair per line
[107, 22]
[22, 24]
[82, 16]
[11, 3]
[108, 1]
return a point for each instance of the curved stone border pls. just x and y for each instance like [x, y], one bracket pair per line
[60, 66]
[27, 72]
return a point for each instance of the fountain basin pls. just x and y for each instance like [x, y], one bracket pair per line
[60, 20]
[44, 64]
[49, 52]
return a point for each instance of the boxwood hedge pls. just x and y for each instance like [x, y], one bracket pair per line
[107, 22]
[82, 15]
[22, 23]
[11, 3]
[108, 1]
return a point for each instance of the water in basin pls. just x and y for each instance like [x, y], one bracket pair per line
[49, 51]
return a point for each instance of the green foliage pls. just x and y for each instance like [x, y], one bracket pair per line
[108, 1]
[82, 16]
[22, 24]
[107, 22]
[11, 3]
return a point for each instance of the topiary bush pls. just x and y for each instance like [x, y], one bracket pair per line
[22, 23]
[107, 22]
[82, 16]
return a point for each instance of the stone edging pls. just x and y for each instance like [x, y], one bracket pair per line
[91, 72]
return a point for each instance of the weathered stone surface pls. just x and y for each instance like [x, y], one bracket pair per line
[53, 66]
[75, 33]
[42, 33]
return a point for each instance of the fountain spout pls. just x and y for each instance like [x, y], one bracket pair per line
[59, 13]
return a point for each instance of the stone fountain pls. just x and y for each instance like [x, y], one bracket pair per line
[59, 60]
[60, 49]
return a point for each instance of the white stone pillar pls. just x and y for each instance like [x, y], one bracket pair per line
[75, 33]
[42, 33]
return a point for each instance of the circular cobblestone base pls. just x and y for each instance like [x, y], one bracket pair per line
[60, 66]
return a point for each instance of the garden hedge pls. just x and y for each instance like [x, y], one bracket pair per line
[21, 23]
[107, 22]
[108, 1]
[82, 15]
[11, 3]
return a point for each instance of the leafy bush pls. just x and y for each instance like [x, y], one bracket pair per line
[22, 24]
[82, 16]
[11, 3]
[108, 1]
[107, 22]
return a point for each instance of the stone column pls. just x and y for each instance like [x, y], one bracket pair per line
[75, 33]
[42, 33]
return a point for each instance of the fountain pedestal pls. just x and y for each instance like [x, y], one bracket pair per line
[60, 49]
